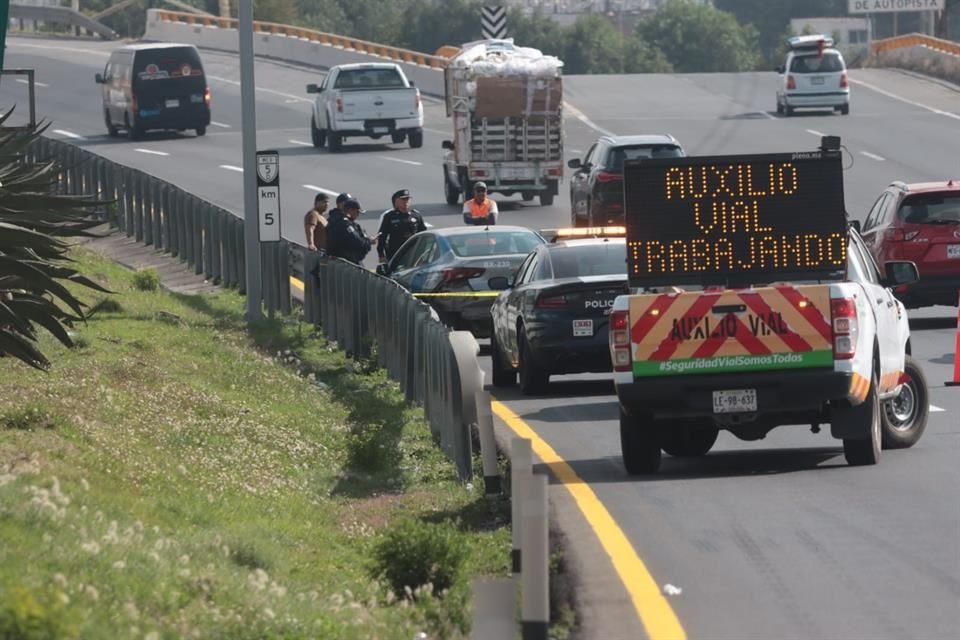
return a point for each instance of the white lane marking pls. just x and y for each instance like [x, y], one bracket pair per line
[300, 142]
[815, 133]
[219, 124]
[35, 83]
[914, 103]
[289, 96]
[313, 187]
[579, 115]
[69, 134]
[152, 152]
[443, 133]
[230, 167]
[872, 156]
[768, 114]
[413, 162]
[935, 409]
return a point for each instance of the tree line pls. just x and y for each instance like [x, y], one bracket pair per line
[683, 36]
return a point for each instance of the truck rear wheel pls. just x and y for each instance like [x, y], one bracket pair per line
[863, 422]
[905, 416]
[450, 192]
[639, 444]
[416, 138]
[546, 198]
[317, 136]
[684, 441]
[335, 140]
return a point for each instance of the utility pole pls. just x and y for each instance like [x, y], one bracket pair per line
[251, 229]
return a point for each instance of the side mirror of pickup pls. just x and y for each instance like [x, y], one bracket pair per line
[780, 69]
[900, 272]
[312, 88]
[498, 283]
[412, 83]
[98, 78]
[447, 144]
[856, 225]
[574, 163]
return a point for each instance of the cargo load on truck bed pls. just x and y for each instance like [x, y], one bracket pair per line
[506, 102]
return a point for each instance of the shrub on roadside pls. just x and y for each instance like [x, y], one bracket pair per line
[146, 280]
[412, 554]
[25, 615]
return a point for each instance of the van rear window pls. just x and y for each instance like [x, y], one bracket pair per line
[160, 64]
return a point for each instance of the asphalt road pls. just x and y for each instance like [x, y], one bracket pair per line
[772, 539]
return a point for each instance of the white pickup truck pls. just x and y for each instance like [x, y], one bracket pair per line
[366, 100]
[806, 330]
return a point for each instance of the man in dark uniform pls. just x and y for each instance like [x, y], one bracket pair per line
[345, 238]
[397, 225]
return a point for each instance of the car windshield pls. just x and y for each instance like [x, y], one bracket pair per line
[931, 208]
[488, 243]
[619, 154]
[829, 62]
[608, 258]
[359, 78]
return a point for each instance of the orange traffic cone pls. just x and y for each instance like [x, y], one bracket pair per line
[956, 356]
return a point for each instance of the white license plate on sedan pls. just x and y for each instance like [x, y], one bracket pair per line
[953, 250]
[172, 104]
[380, 129]
[735, 401]
[582, 328]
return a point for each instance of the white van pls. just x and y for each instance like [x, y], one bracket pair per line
[814, 76]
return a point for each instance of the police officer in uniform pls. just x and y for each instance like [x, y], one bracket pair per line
[345, 238]
[398, 224]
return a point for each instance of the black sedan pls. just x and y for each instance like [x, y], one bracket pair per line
[553, 317]
[449, 268]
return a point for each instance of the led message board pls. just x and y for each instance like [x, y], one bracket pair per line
[735, 220]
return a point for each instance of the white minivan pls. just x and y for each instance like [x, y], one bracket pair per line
[814, 76]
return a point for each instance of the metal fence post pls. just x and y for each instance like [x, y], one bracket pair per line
[521, 467]
[197, 231]
[137, 189]
[535, 577]
[183, 222]
[127, 187]
[240, 255]
[149, 209]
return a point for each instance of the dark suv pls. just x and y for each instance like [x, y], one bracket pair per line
[921, 223]
[596, 189]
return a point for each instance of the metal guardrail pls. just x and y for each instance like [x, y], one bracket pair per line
[363, 46]
[60, 15]
[166, 217]
[436, 367]
[914, 40]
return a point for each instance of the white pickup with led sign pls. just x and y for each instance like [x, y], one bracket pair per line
[268, 195]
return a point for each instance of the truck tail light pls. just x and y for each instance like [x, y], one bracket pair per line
[620, 340]
[843, 80]
[551, 302]
[609, 176]
[339, 105]
[416, 100]
[556, 171]
[845, 328]
[791, 83]
[479, 173]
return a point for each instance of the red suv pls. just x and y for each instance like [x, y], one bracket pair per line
[921, 223]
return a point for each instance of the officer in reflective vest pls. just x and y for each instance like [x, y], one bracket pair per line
[480, 209]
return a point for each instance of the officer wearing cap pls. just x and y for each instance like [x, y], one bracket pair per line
[480, 209]
[345, 237]
[397, 225]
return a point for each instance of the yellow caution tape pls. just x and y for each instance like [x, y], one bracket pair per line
[466, 294]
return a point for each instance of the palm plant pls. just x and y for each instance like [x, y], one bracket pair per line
[35, 222]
